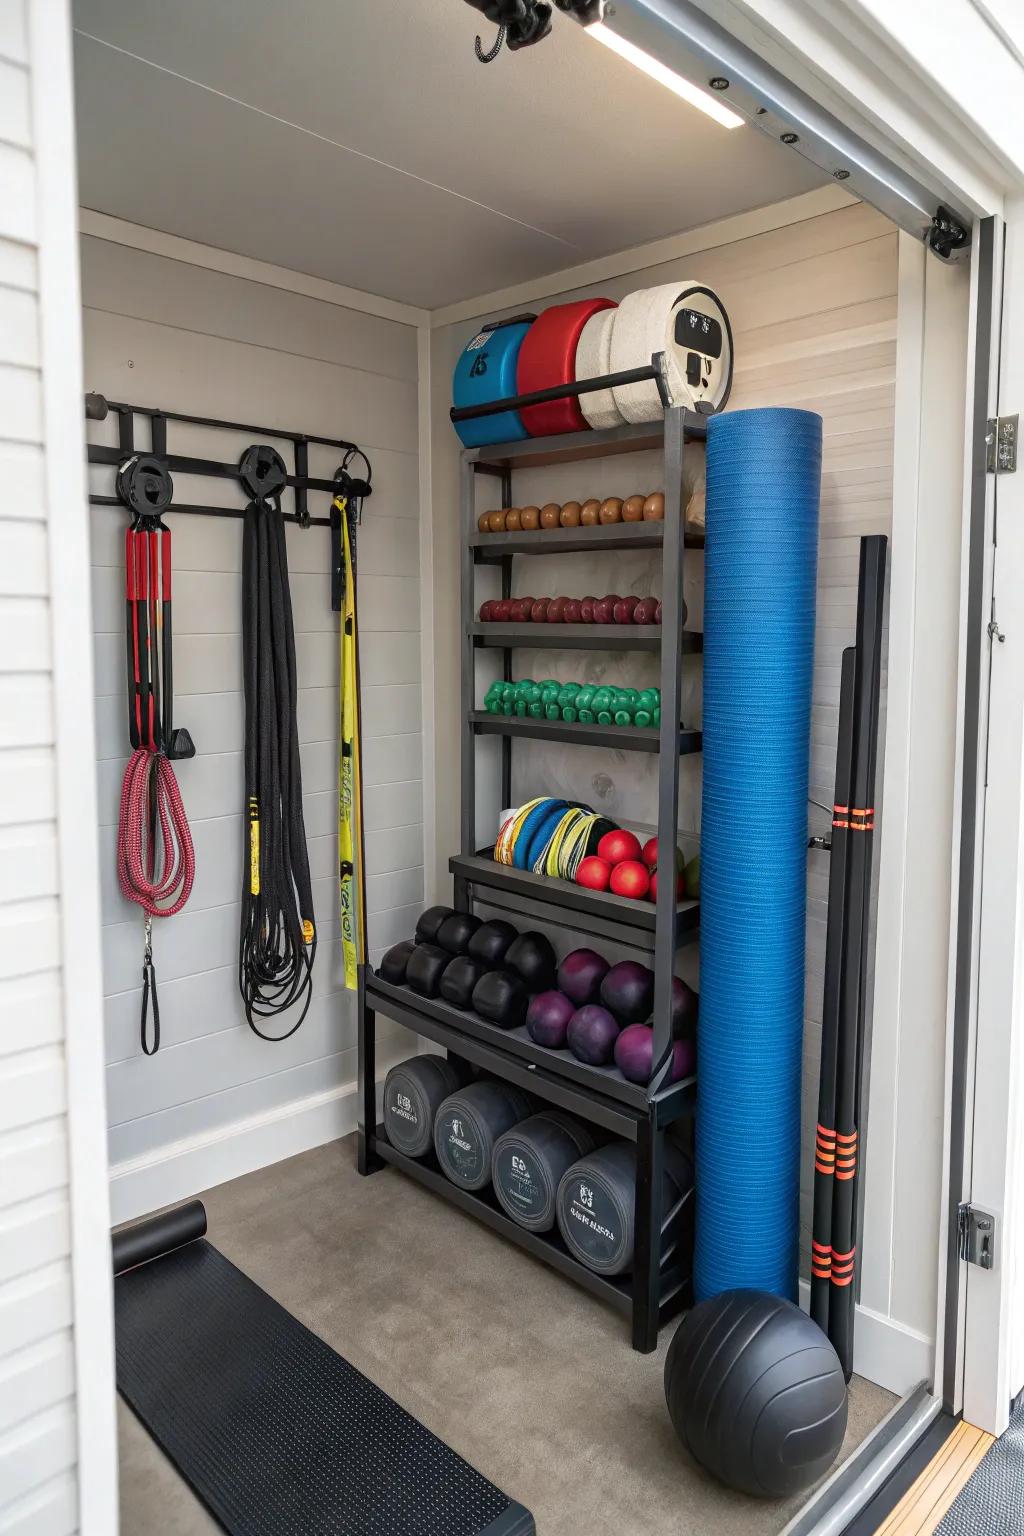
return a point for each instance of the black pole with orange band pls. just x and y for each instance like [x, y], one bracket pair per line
[825, 1134]
[853, 972]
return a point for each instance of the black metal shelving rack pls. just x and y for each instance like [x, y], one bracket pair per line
[642, 1114]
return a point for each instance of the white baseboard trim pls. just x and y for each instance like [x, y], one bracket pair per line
[183, 1168]
[886, 1352]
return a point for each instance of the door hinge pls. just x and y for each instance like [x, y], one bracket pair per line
[1001, 438]
[976, 1236]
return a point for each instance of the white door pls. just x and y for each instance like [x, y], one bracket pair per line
[993, 1298]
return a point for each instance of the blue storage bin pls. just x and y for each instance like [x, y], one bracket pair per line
[486, 371]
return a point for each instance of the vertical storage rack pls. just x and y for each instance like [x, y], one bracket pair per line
[655, 1290]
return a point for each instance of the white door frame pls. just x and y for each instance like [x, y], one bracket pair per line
[1001, 898]
[53, 125]
[993, 1369]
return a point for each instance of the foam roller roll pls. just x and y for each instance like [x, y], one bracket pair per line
[593, 359]
[547, 358]
[687, 322]
[764, 475]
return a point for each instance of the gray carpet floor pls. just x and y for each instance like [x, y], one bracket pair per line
[993, 1499]
[527, 1377]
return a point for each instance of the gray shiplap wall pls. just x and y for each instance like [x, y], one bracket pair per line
[171, 334]
[38, 1451]
[813, 307]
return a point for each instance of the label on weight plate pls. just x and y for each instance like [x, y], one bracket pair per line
[593, 1222]
[463, 1154]
[400, 1113]
[520, 1183]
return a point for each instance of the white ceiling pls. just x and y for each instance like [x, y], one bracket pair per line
[360, 141]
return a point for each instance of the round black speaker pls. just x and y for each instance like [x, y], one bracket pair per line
[756, 1393]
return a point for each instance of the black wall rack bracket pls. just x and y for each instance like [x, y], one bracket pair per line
[295, 478]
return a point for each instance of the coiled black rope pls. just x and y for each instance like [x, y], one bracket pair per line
[277, 940]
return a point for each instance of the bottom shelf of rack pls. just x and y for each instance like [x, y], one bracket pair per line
[546, 1246]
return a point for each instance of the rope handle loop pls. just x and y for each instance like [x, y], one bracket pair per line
[149, 995]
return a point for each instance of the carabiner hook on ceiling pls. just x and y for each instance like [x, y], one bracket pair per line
[498, 44]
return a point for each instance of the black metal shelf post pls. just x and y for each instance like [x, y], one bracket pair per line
[642, 1114]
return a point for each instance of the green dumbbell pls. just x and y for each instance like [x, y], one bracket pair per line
[585, 696]
[552, 711]
[586, 717]
[602, 700]
[567, 694]
[535, 710]
[643, 717]
[569, 714]
[622, 717]
[549, 692]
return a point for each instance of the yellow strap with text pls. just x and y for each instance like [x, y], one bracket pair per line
[350, 838]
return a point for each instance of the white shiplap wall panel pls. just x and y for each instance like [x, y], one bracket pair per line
[25, 631]
[27, 791]
[35, 1378]
[34, 1306]
[51, 1510]
[198, 341]
[35, 1448]
[13, 35]
[813, 308]
[34, 1232]
[23, 560]
[35, 1160]
[18, 204]
[20, 269]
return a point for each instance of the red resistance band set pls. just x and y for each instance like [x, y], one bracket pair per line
[155, 858]
[837, 1143]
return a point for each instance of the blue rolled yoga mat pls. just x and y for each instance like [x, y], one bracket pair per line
[761, 556]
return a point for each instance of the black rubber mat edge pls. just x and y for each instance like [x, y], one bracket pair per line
[513, 1520]
[516, 1521]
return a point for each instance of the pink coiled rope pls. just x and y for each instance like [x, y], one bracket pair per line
[150, 797]
[151, 800]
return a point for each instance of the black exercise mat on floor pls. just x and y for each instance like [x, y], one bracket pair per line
[992, 1499]
[277, 1434]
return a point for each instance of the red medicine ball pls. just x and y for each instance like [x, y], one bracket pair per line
[547, 358]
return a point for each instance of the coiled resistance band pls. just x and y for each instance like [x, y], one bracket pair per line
[277, 940]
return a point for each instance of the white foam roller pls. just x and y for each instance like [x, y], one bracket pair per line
[645, 324]
[593, 358]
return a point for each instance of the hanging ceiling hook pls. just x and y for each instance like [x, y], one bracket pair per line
[492, 53]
